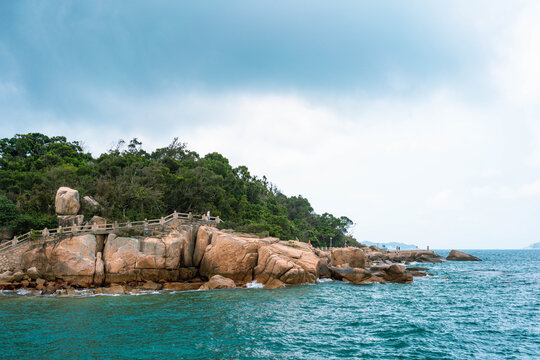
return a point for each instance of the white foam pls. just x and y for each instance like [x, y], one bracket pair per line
[254, 285]
[320, 281]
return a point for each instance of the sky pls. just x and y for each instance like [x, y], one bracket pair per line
[419, 120]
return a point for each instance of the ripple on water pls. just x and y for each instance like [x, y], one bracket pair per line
[469, 315]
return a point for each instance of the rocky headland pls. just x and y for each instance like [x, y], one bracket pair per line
[188, 256]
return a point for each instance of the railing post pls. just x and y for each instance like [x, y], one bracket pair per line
[45, 232]
[162, 221]
[129, 224]
[218, 220]
[190, 216]
[145, 226]
[59, 231]
[14, 241]
[175, 215]
[74, 228]
[115, 225]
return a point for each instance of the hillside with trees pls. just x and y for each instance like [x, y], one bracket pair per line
[131, 183]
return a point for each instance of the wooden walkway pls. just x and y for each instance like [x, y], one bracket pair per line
[109, 227]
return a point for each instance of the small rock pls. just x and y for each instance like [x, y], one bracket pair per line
[40, 281]
[150, 285]
[274, 284]
[218, 282]
[33, 273]
[177, 286]
[18, 276]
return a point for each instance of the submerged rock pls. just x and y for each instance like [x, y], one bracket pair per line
[456, 255]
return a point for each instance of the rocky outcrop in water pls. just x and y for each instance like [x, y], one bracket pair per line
[456, 255]
[188, 257]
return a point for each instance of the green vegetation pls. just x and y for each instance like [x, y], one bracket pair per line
[131, 183]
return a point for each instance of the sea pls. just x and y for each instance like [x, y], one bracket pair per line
[467, 310]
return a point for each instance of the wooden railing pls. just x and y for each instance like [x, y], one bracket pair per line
[83, 229]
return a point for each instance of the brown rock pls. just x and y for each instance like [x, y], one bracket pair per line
[355, 257]
[67, 221]
[150, 285]
[176, 286]
[456, 255]
[231, 256]
[7, 276]
[188, 273]
[33, 273]
[291, 262]
[397, 273]
[133, 259]
[67, 201]
[218, 282]
[274, 284]
[18, 276]
[353, 275]
[40, 282]
[114, 289]
[204, 235]
[190, 235]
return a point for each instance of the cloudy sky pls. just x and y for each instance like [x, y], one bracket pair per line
[419, 120]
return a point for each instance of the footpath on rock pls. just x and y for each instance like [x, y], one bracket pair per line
[179, 256]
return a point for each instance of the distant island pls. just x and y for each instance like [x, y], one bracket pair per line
[535, 246]
[391, 245]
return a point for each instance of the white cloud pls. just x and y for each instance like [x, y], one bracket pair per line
[503, 192]
[516, 67]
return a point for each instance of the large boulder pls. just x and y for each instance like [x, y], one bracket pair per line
[290, 262]
[204, 235]
[352, 256]
[234, 257]
[349, 274]
[67, 201]
[133, 259]
[456, 255]
[91, 202]
[398, 274]
[218, 282]
[72, 259]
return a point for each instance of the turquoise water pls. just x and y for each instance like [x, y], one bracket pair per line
[484, 310]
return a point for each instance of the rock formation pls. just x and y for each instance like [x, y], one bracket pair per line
[456, 255]
[67, 201]
[183, 257]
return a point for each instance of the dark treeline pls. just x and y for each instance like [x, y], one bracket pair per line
[131, 183]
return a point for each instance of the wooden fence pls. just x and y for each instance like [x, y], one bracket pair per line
[108, 227]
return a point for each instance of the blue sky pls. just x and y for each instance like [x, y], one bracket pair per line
[419, 120]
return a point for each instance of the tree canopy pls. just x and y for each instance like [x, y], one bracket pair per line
[131, 183]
